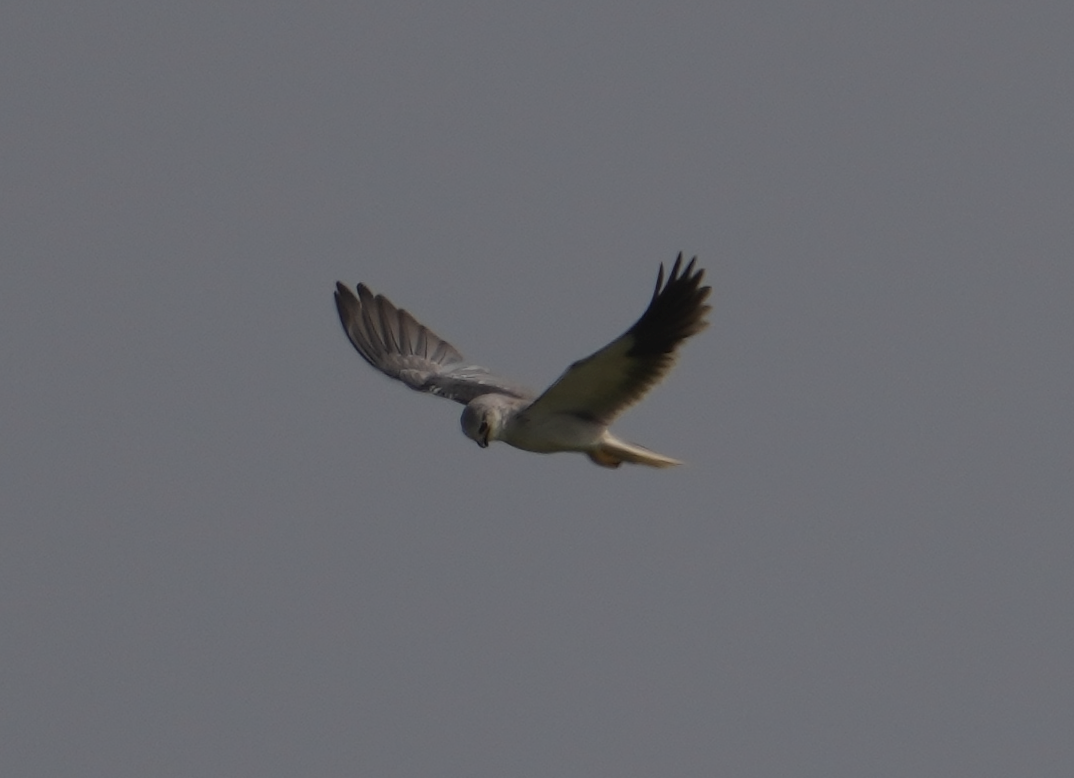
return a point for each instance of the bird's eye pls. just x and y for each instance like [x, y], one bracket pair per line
[483, 428]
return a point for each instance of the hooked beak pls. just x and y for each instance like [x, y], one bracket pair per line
[484, 441]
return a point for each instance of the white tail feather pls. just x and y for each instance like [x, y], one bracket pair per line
[612, 452]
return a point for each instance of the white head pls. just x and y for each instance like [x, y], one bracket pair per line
[482, 419]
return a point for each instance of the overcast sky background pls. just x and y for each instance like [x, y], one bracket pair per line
[230, 548]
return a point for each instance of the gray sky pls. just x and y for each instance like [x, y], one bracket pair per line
[230, 548]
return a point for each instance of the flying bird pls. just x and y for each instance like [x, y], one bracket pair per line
[573, 414]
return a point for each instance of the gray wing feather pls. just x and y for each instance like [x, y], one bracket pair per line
[401, 347]
[606, 383]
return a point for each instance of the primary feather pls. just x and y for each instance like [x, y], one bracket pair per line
[401, 347]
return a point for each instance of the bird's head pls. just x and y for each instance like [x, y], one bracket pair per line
[482, 419]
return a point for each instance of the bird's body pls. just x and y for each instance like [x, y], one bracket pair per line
[574, 413]
[548, 433]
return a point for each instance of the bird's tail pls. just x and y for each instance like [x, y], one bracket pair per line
[612, 452]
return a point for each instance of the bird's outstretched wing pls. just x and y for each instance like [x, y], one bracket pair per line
[604, 384]
[398, 345]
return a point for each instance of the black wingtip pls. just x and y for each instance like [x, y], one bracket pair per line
[676, 311]
[675, 268]
[342, 294]
[678, 272]
[659, 283]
